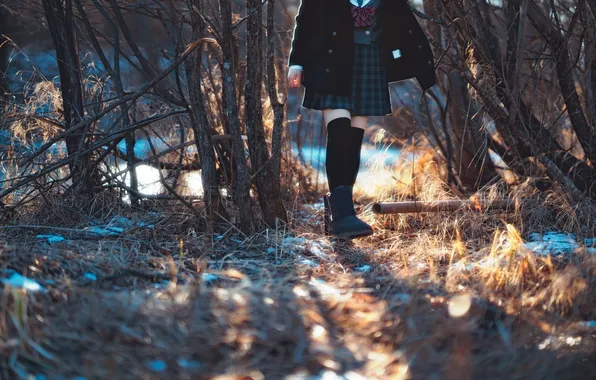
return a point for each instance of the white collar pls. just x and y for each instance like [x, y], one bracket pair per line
[364, 3]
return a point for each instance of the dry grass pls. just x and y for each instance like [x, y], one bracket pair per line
[429, 296]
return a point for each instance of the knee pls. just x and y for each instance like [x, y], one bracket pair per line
[331, 114]
[360, 122]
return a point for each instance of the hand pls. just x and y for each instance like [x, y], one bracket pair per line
[295, 76]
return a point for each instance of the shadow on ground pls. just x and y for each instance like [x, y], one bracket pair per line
[272, 306]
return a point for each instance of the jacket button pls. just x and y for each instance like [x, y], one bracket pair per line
[410, 31]
[367, 32]
[420, 47]
[330, 51]
[429, 63]
[334, 34]
[327, 71]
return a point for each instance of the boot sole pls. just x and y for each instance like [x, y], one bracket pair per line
[354, 235]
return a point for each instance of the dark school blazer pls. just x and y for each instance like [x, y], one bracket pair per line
[323, 45]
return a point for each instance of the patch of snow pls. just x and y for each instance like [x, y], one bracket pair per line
[157, 365]
[315, 206]
[105, 231]
[209, 277]
[363, 268]
[460, 266]
[18, 281]
[545, 343]
[309, 262]
[316, 249]
[188, 364]
[90, 276]
[293, 241]
[589, 324]
[558, 243]
[555, 243]
[51, 238]
[557, 342]
[297, 245]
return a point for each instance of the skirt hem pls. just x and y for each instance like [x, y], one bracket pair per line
[369, 89]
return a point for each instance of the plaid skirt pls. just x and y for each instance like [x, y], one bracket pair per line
[370, 91]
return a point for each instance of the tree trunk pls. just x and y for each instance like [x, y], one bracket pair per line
[4, 51]
[59, 16]
[558, 45]
[468, 152]
[268, 189]
[242, 180]
[465, 143]
[278, 116]
[200, 123]
[591, 98]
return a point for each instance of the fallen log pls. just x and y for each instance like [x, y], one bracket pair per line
[406, 207]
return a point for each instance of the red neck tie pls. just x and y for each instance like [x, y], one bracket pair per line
[363, 16]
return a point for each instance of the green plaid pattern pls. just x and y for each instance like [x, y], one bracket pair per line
[370, 91]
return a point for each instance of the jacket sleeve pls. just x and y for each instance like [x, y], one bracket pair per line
[301, 37]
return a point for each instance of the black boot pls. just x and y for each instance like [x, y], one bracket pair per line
[344, 223]
[343, 162]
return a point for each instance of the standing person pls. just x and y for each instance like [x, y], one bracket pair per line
[345, 53]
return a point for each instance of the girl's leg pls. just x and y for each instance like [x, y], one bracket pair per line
[342, 163]
[339, 124]
[344, 143]
[329, 115]
[359, 124]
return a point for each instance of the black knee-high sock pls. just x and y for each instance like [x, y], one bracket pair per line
[356, 137]
[343, 153]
